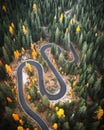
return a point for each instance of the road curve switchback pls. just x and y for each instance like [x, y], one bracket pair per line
[43, 91]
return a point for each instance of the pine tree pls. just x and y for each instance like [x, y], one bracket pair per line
[84, 49]
[80, 40]
[92, 79]
[53, 49]
[67, 67]
[57, 36]
[2, 73]
[24, 42]
[61, 59]
[7, 42]
[33, 92]
[9, 51]
[45, 101]
[66, 126]
[5, 55]
[68, 44]
[67, 41]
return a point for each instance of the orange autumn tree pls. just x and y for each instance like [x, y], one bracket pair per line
[36, 128]
[55, 126]
[9, 99]
[4, 8]
[15, 117]
[11, 30]
[20, 128]
[8, 69]
[16, 54]
[27, 129]
[100, 113]
[1, 63]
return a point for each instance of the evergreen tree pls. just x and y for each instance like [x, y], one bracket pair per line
[33, 92]
[57, 36]
[45, 101]
[2, 73]
[66, 126]
[67, 41]
[61, 59]
[5, 56]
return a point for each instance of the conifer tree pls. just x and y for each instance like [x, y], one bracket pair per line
[45, 100]
[2, 73]
[5, 56]
[57, 36]
[61, 59]
[33, 92]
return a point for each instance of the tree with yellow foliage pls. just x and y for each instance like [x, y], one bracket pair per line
[28, 67]
[28, 97]
[34, 8]
[60, 113]
[16, 54]
[71, 21]
[66, 30]
[20, 128]
[12, 25]
[24, 29]
[32, 46]
[51, 105]
[100, 113]
[27, 129]
[11, 31]
[55, 126]
[8, 69]
[22, 51]
[56, 108]
[34, 54]
[4, 8]
[21, 121]
[78, 29]
[36, 128]
[61, 17]
[74, 83]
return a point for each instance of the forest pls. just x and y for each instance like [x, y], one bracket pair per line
[24, 26]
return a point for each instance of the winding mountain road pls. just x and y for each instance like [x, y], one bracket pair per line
[62, 84]
[21, 96]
